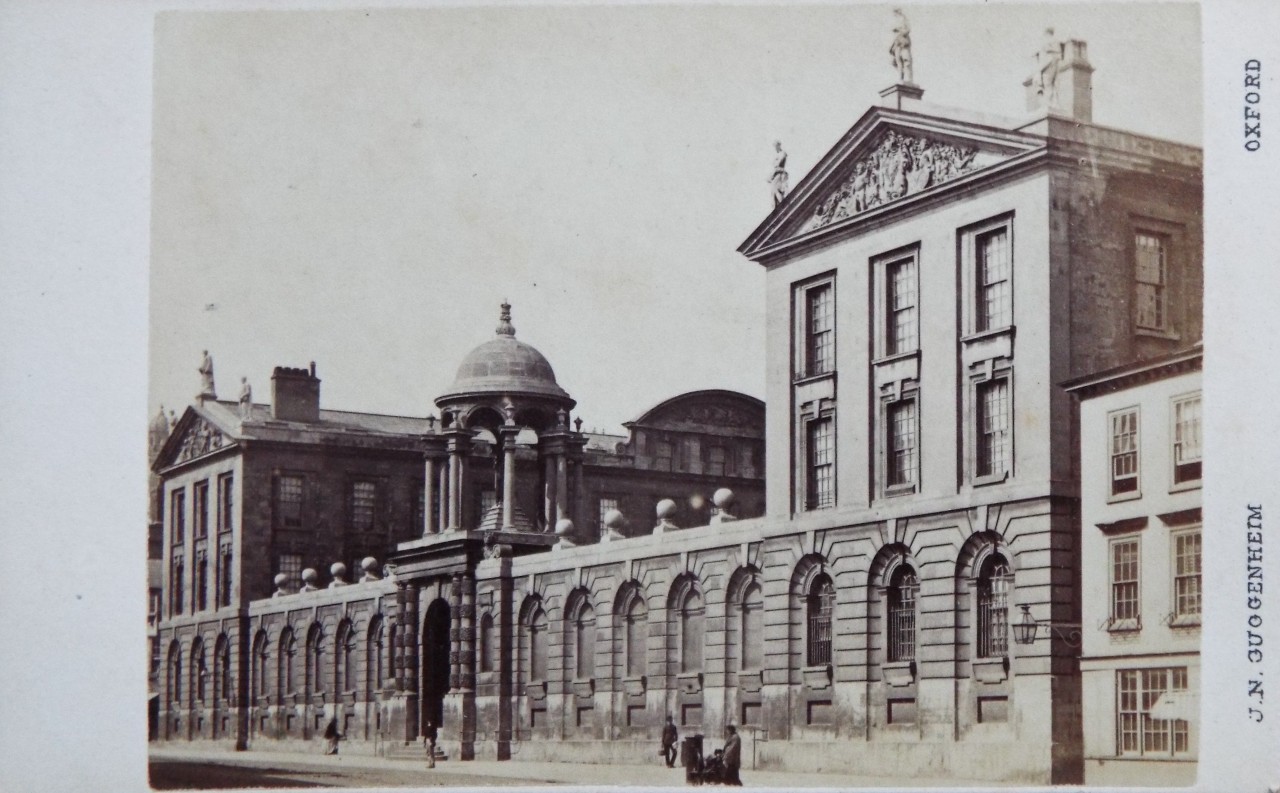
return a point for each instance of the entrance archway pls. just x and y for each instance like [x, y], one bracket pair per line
[435, 662]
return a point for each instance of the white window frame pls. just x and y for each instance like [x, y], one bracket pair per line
[803, 292]
[1115, 622]
[1136, 492]
[1177, 617]
[1175, 445]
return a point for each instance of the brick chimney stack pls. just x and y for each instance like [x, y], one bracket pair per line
[295, 394]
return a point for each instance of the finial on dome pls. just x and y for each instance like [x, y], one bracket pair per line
[505, 328]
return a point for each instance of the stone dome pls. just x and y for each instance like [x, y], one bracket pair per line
[504, 365]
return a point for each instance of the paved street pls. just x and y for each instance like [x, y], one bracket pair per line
[174, 768]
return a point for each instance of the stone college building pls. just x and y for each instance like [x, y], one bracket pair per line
[930, 285]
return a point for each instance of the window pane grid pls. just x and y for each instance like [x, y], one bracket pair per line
[993, 611]
[902, 442]
[364, 497]
[820, 347]
[1124, 452]
[993, 427]
[994, 266]
[289, 500]
[1124, 580]
[1150, 275]
[902, 617]
[1186, 440]
[1137, 732]
[821, 608]
[901, 302]
[1187, 573]
[821, 483]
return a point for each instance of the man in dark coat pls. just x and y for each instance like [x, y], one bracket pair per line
[669, 737]
[331, 736]
[429, 736]
[732, 757]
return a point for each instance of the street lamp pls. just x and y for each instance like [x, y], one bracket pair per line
[1026, 630]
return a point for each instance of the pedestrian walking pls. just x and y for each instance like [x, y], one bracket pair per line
[669, 738]
[429, 736]
[331, 736]
[732, 757]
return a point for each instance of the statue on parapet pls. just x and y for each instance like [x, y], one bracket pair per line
[779, 178]
[900, 49]
[207, 390]
[1049, 62]
[246, 398]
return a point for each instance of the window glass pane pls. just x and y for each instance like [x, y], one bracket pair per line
[902, 442]
[820, 341]
[993, 427]
[1186, 570]
[1124, 452]
[1124, 580]
[1150, 274]
[902, 615]
[900, 305]
[994, 263]
[821, 473]
[691, 634]
[1186, 440]
[364, 497]
[289, 501]
[752, 639]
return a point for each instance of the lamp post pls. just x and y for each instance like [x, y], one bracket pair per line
[1027, 630]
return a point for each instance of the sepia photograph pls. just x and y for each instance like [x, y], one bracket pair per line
[636, 404]
[769, 395]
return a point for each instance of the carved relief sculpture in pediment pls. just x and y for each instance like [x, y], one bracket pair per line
[898, 166]
[201, 439]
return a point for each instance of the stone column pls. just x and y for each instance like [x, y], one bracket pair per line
[397, 647]
[442, 509]
[410, 632]
[509, 478]
[455, 632]
[549, 490]
[562, 486]
[428, 497]
[455, 489]
[467, 635]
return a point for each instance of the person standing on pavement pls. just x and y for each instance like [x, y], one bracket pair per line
[331, 736]
[669, 737]
[732, 757]
[430, 735]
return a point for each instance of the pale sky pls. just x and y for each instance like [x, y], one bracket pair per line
[363, 189]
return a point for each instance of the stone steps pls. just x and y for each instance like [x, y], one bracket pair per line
[412, 751]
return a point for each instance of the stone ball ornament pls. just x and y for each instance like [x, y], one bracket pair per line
[338, 570]
[666, 509]
[613, 519]
[564, 528]
[369, 565]
[310, 576]
[723, 498]
[281, 579]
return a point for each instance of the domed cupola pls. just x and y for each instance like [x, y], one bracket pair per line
[507, 366]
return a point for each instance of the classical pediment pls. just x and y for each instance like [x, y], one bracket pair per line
[194, 436]
[887, 159]
[896, 165]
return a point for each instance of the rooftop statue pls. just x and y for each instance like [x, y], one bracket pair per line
[206, 377]
[900, 49]
[779, 177]
[246, 398]
[1049, 60]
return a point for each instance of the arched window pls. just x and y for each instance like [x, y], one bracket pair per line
[199, 672]
[820, 606]
[344, 659]
[315, 669]
[691, 632]
[486, 643]
[222, 669]
[259, 679]
[175, 676]
[284, 662]
[538, 645]
[375, 667]
[584, 630]
[994, 581]
[752, 636]
[901, 595]
[637, 634]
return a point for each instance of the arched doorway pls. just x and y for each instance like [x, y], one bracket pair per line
[435, 662]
